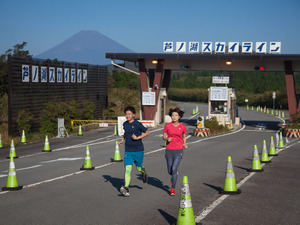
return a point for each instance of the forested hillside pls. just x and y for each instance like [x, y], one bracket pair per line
[255, 86]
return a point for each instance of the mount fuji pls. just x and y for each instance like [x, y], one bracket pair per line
[87, 46]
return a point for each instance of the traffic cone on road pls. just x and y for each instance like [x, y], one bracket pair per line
[280, 144]
[12, 152]
[264, 154]
[79, 131]
[117, 156]
[115, 130]
[256, 166]
[185, 212]
[47, 145]
[272, 112]
[87, 165]
[282, 114]
[272, 150]
[12, 183]
[23, 139]
[230, 183]
[1, 145]
[231, 125]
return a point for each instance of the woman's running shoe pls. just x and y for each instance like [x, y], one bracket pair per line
[172, 192]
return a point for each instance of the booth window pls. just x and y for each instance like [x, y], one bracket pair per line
[218, 107]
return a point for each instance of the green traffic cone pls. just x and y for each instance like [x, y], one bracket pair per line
[80, 131]
[185, 212]
[23, 139]
[264, 154]
[115, 130]
[256, 166]
[87, 165]
[1, 145]
[280, 144]
[117, 156]
[12, 183]
[230, 183]
[282, 115]
[272, 150]
[12, 152]
[47, 145]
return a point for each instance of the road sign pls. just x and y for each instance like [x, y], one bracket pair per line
[220, 79]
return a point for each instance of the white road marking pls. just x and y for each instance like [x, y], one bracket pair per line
[62, 159]
[25, 168]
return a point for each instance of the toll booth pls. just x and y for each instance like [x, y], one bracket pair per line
[222, 104]
[148, 99]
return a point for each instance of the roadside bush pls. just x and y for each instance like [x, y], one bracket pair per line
[83, 110]
[214, 126]
[24, 121]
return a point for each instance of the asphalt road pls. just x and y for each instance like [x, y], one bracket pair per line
[57, 192]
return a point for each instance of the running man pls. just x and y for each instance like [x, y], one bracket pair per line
[134, 148]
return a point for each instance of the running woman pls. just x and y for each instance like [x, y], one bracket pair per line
[134, 148]
[175, 135]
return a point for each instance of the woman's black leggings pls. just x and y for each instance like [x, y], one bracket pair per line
[173, 158]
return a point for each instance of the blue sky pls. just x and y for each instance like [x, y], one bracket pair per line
[143, 25]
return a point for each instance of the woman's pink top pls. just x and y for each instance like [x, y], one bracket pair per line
[175, 133]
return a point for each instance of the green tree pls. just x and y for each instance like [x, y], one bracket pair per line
[18, 50]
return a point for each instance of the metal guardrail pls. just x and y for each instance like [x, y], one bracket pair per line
[76, 123]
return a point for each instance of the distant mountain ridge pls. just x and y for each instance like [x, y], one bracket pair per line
[87, 46]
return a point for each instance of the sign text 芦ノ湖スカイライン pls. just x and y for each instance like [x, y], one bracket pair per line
[220, 47]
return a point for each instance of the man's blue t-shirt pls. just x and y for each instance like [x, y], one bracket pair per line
[133, 128]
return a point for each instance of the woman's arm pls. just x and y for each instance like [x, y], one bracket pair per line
[184, 141]
[165, 137]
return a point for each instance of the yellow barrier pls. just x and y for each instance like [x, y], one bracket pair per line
[76, 123]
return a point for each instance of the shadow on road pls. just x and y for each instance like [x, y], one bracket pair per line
[156, 183]
[214, 187]
[271, 125]
[243, 168]
[190, 122]
[118, 182]
[169, 218]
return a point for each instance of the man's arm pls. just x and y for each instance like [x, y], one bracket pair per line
[134, 137]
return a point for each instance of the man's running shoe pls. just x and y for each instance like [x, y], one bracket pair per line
[172, 192]
[144, 175]
[124, 191]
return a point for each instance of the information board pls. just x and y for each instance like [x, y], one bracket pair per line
[218, 93]
[148, 98]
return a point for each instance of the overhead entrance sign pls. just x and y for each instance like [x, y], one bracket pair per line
[220, 79]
